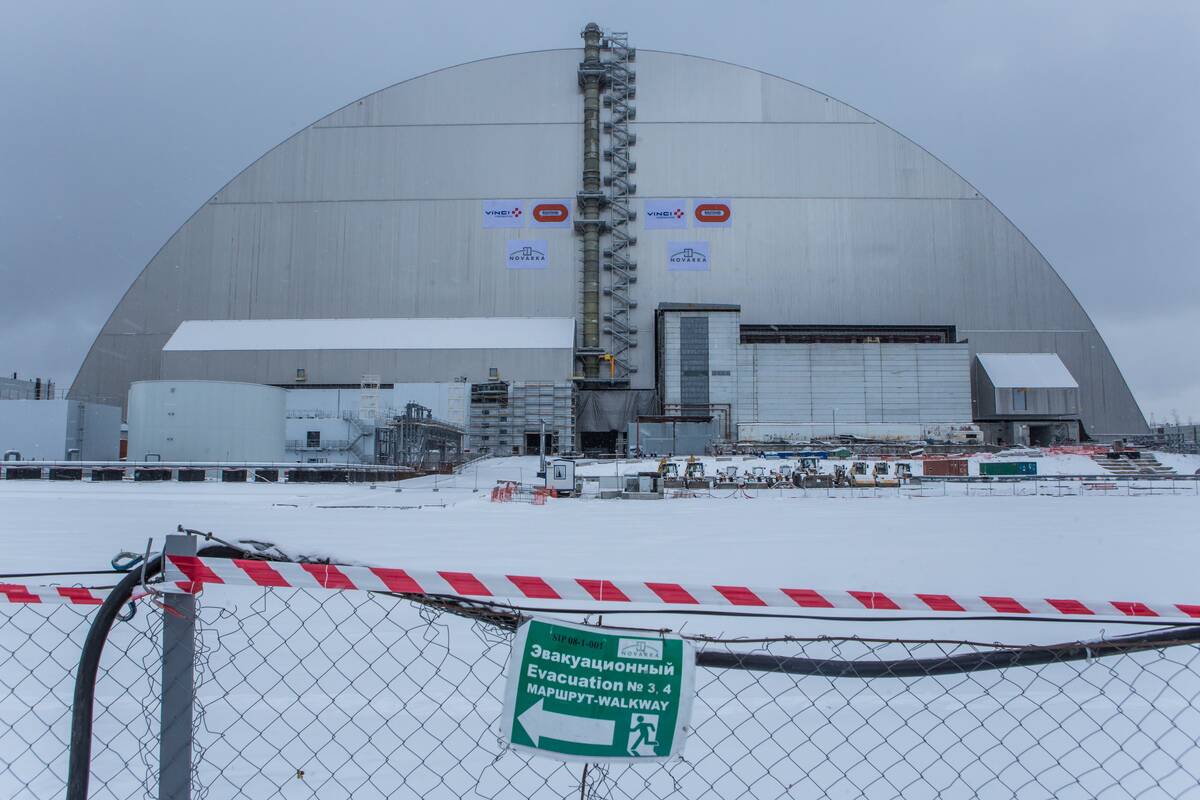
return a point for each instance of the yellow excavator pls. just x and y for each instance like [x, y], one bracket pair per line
[693, 473]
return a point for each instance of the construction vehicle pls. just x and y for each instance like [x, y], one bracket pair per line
[861, 474]
[693, 475]
[667, 469]
[693, 472]
[757, 478]
[841, 475]
[881, 476]
[807, 475]
[727, 475]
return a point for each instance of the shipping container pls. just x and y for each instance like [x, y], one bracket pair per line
[1009, 468]
[946, 467]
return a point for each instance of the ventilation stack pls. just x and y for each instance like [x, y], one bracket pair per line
[592, 78]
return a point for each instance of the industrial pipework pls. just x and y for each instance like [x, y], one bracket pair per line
[592, 73]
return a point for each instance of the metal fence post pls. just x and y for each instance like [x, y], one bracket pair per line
[178, 684]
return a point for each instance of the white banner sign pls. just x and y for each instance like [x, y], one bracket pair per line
[550, 213]
[503, 213]
[528, 254]
[687, 256]
[665, 214]
[712, 213]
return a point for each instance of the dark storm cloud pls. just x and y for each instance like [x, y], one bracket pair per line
[1079, 120]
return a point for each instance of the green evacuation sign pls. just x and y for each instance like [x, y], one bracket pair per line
[581, 694]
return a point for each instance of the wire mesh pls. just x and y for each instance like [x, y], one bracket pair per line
[39, 654]
[345, 694]
[352, 695]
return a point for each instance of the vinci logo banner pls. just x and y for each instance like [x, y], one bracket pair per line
[665, 214]
[527, 254]
[503, 214]
[550, 213]
[712, 213]
[688, 256]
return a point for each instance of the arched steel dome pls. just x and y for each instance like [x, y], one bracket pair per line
[373, 211]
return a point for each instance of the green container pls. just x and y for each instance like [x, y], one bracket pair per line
[1009, 468]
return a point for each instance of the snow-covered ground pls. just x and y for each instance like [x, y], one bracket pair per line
[1087, 544]
[1079, 729]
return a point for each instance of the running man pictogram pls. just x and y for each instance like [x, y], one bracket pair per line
[644, 731]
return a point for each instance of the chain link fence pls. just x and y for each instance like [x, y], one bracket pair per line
[307, 694]
[40, 647]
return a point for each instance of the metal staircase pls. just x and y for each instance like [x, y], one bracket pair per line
[1133, 464]
[618, 260]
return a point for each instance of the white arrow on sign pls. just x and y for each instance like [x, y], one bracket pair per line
[540, 723]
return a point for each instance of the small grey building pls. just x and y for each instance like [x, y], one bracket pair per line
[1026, 398]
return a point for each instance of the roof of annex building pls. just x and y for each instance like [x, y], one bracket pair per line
[416, 333]
[1027, 371]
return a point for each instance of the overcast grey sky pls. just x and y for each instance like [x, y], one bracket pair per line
[1079, 120]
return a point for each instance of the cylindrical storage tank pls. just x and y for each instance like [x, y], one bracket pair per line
[209, 421]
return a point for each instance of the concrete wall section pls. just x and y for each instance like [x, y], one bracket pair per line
[206, 421]
[37, 429]
[95, 430]
[58, 430]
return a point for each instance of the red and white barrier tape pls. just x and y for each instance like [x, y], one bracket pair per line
[71, 595]
[191, 572]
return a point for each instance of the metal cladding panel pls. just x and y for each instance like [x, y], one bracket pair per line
[837, 383]
[98, 435]
[693, 360]
[944, 383]
[670, 359]
[839, 261]
[723, 344]
[1038, 403]
[755, 160]
[898, 365]
[375, 211]
[873, 397]
[348, 366]
[524, 88]
[983, 392]
[37, 429]
[673, 87]
[415, 163]
[780, 382]
[747, 388]
[869, 383]
[206, 421]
